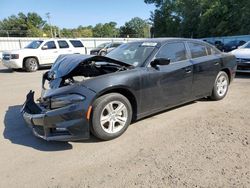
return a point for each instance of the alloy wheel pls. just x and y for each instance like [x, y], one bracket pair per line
[221, 85]
[113, 117]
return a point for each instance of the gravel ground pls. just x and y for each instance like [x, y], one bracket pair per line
[200, 144]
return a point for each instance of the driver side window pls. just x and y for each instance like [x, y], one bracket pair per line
[174, 51]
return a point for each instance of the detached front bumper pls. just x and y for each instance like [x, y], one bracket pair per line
[62, 124]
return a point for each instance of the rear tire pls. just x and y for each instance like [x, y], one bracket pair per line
[31, 64]
[220, 86]
[112, 114]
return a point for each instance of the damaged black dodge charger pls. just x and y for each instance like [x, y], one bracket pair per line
[102, 95]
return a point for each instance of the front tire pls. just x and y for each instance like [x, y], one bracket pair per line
[112, 114]
[103, 53]
[31, 64]
[220, 86]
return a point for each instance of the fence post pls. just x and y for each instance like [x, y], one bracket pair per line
[20, 45]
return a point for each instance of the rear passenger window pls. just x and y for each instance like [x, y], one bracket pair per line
[197, 50]
[76, 43]
[63, 44]
[50, 45]
[173, 51]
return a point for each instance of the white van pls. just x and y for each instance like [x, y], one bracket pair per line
[41, 53]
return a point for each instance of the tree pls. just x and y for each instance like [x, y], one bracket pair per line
[23, 25]
[136, 27]
[84, 31]
[47, 30]
[200, 18]
[225, 17]
[78, 32]
[105, 30]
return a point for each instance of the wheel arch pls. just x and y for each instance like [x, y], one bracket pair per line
[227, 71]
[126, 93]
[25, 58]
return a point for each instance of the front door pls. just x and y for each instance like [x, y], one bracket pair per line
[49, 53]
[167, 85]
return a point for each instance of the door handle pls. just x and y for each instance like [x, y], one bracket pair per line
[188, 70]
[55, 51]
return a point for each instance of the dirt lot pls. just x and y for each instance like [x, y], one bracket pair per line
[201, 144]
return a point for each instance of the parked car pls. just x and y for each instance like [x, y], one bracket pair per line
[105, 48]
[103, 94]
[243, 58]
[219, 45]
[41, 53]
[232, 45]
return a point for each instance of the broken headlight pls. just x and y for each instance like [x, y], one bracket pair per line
[65, 100]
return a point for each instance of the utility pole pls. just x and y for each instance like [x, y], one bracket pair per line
[48, 17]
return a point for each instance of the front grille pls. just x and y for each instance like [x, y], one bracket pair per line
[6, 56]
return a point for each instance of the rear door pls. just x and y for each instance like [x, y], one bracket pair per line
[64, 47]
[78, 47]
[206, 65]
[168, 85]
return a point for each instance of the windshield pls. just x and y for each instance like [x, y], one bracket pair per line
[134, 53]
[247, 45]
[103, 45]
[232, 43]
[35, 44]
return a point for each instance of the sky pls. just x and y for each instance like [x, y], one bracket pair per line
[72, 13]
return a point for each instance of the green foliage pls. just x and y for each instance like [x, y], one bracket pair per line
[200, 18]
[78, 32]
[22, 25]
[105, 30]
[136, 27]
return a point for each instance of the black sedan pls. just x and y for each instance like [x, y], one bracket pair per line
[102, 95]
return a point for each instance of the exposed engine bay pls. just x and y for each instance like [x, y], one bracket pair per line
[71, 69]
[90, 70]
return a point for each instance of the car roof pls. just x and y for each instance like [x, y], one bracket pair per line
[48, 39]
[164, 40]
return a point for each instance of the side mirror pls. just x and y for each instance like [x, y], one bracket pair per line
[160, 61]
[45, 47]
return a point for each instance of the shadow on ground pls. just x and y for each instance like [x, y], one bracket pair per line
[19, 133]
[6, 70]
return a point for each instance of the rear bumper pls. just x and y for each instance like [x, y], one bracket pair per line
[64, 124]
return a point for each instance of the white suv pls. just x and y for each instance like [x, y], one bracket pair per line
[41, 53]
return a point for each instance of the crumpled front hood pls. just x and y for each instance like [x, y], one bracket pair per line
[67, 63]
